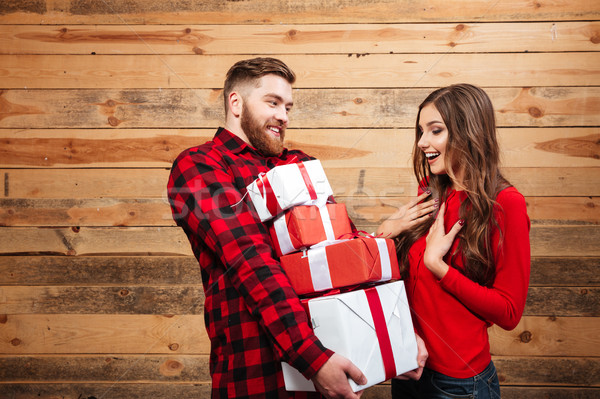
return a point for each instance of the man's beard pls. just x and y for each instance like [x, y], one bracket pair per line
[259, 139]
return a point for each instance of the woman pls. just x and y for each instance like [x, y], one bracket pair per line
[461, 282]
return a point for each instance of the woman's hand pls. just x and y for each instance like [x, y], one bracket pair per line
[439, 243]
[407, 216]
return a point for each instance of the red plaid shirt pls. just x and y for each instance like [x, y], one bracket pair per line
[253, 316]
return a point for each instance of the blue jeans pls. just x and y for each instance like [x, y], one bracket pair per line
[434, 385]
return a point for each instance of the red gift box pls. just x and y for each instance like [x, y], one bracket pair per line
[341, 264]
[306, 225]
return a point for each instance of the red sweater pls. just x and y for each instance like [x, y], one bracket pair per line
[452, 315]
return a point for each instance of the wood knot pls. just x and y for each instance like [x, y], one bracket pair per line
[113, 121]
[291, 33]
[188, 31]
[583, 291]
[459, 27]
[590, 205]
[132, 213]
[174, 346]
[124, 292]
[64, 30]
[595, 38]
[76, 229]
[358, 100]
[535, 112]
[3, 318]
[525, 336]
[171, 368]
[111, 103]
[451, 44]
[198, 50]
[501, 377]
[15, 342]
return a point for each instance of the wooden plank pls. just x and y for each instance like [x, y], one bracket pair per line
[194, 368]
[288, 11]
[100, 270]
[300, 39]
[164, 390]
[371, 70]
[315, 108]
[563, 301]
[182, 299]
[84, 212]
[561, 240]
[113, 390]
[548, 336]
[548, 371]
[103, 334]
[548, 393]
[346, 182]
[170, 270]
[185, 334]
[565, 271]
[157, 212]
[105, 368]
[521, 147]
[185, 298]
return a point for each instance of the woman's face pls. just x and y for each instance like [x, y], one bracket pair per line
[433, 140]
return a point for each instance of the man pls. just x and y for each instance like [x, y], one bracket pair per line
[253, 317]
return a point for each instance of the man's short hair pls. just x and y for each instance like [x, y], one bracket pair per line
[249, 71]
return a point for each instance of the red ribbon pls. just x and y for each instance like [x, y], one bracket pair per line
[359, 233]
[385, 346]
[307, 181]
[266, 191]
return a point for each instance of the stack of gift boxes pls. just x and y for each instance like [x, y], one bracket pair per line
[348, 281]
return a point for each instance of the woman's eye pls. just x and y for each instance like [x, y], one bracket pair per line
[437, 131]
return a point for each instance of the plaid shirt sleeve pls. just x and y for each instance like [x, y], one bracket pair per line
[207, 204]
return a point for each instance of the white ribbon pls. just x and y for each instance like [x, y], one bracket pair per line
[319, 268]
[384, 257]
[283, 235]
[326, 218]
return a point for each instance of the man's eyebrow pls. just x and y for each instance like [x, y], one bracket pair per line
[278, 98]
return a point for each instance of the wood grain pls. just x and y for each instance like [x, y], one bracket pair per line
[288, 11]
[157, 212]
[193, 368]
[101, 270]
[163, 390]
[174, 270]
[546, 240]
[548, 336]
[185, 334]
[346, 182]
[51, 148]
[371, 70]
[301, 39]
[103, 334]
[185, 298]
[344, 108]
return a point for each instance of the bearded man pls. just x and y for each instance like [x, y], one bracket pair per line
[253, 317]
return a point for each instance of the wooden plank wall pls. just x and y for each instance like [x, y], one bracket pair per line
[99, 294]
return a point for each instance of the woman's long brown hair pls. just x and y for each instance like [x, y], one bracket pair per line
[469, 117]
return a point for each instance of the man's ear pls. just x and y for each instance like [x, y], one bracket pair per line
[235, 103]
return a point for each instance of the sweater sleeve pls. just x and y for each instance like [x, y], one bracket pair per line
[504, 301]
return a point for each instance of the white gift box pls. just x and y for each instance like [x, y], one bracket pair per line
[356, 325]
[284, 186]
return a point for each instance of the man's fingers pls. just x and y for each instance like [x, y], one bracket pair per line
[354, 372]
